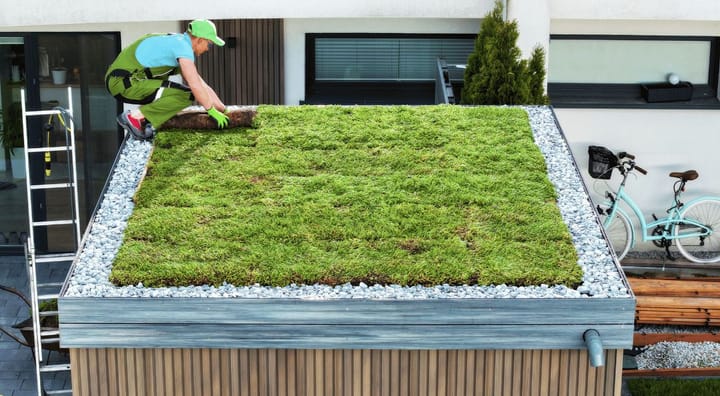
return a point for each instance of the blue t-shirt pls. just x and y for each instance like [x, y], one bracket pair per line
[164, 50]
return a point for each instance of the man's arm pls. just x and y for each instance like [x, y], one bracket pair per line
[204, 95]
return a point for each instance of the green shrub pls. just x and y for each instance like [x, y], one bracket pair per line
[536, 68]
[495, 74]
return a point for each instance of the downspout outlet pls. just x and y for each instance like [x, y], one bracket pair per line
[595, 347]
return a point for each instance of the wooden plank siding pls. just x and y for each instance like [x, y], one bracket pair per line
[347, 372]
[252, 72]
[339, 324]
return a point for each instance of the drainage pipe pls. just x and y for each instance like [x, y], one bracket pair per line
[595, 347]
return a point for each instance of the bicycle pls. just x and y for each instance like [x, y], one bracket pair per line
[691, 226]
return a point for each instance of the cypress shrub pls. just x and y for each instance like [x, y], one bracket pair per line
[536, 68]
[495, 73]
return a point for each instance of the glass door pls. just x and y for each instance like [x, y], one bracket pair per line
[46, 64]
[13, 197]
[77, 61]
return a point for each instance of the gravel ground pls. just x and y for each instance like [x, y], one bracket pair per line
[654, 329]
[679, 355]
[601, 277]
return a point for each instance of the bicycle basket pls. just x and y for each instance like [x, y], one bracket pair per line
[602, 161]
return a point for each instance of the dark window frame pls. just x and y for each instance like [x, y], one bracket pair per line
[312, 86]
[576, 95]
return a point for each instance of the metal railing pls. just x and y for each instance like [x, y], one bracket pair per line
[444, 75]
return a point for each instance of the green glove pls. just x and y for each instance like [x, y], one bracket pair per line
[220, 118]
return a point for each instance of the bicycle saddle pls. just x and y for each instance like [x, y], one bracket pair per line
[685, 176]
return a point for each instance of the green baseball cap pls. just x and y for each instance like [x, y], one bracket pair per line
[205, 29]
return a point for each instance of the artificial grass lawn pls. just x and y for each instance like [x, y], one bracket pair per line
[391, 195]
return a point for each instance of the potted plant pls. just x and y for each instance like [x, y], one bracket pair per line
[47, 323]
[59, 75]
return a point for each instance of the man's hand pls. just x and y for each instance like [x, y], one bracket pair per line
[220, 118]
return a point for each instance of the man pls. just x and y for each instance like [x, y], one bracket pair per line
[140, 75]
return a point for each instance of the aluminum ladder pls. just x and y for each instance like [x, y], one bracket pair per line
[41, 292]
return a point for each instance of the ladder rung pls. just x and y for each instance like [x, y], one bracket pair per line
[49, 313]
[48, 296]
[55, 258]
[48, 333]
[48, 149]
[42, 112]
[52, 222]
[50, 186]
[54, 367]
[59, 392]
[53, 340]
[52, 284]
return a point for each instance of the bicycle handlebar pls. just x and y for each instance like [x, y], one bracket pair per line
[624, 154]
[631, 162]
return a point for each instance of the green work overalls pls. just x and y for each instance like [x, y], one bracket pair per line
[130, 82]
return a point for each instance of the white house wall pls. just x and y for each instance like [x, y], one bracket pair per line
[533, 19]
[41, 12]
[668, 10]
[636, 27]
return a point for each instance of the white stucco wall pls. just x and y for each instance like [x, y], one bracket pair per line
[668, 10]
[663, 141]
[636, 27]
[40, 12]
[295, 30]
[533, 19]
[637, 17]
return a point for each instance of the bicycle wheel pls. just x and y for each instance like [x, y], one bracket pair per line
[619, 232]
[700, 249]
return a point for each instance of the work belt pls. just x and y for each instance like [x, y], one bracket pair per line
[125, 75]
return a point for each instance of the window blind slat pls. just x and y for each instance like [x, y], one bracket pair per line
[392, 59]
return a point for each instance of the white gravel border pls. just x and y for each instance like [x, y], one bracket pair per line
[601, 278]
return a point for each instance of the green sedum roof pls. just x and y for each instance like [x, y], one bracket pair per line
[389, 194]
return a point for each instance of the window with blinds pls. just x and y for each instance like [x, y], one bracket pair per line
[386, 58]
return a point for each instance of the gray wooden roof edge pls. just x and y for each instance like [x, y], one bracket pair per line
[340, 324]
